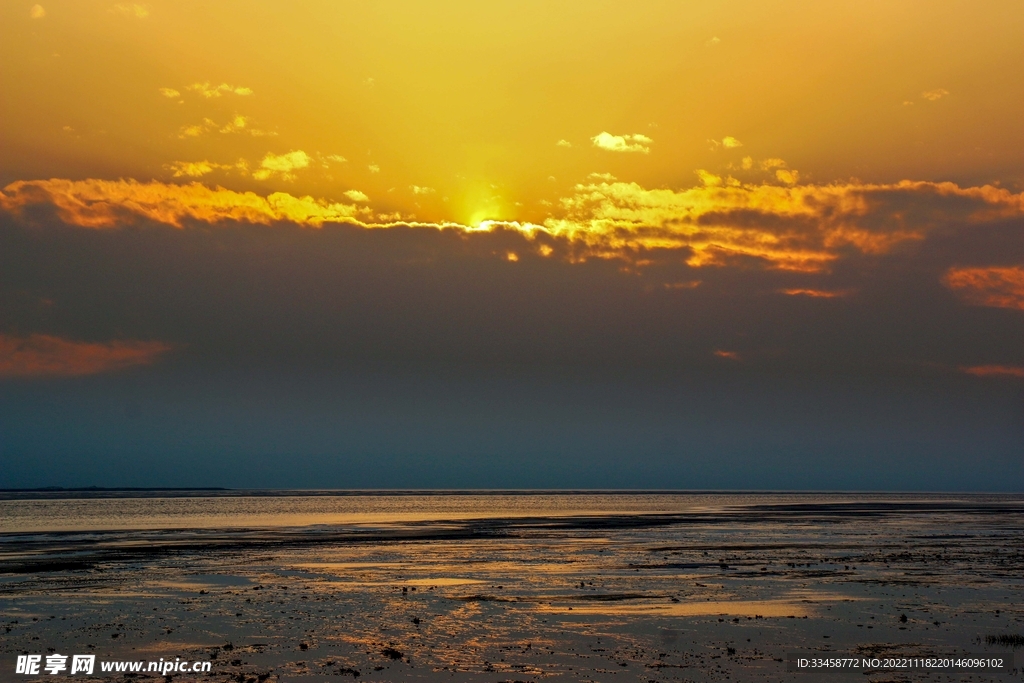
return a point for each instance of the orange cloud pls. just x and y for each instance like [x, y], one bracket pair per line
[43, 355]
[996, 287]
[731, 355]
[816, 293]
[792, 227]
[994, 371]
[788, 227]
[112, 203]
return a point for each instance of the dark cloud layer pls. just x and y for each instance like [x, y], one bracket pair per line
[346, 356]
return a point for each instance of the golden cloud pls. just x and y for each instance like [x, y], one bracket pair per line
[622, 143]
[193, 169]
[130, 9]
[169, 92]
[790, 227]
[999, 287]
[282, 164]
[113, 203]
[933, 95]
[793, 227]
[239, 124]
[37, 12]
[44, 355]
[207, 90]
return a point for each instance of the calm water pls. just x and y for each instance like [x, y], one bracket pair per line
[230, 510]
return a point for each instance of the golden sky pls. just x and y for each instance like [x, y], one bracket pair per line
[466, 111]
[802, 139]
[727, 243]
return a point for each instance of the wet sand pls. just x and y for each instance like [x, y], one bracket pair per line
[707, 594]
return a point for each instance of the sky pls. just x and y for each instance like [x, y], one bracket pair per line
[728, 245]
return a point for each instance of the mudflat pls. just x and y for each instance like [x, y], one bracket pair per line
[510, 587]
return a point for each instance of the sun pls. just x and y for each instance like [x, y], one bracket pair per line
[482, 202]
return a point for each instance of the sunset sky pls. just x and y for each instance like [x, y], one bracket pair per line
[495, 244]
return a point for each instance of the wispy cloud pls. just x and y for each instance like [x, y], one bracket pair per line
[417, 189]
[998, 287]
[209, 91]
[563, 143]
[622, 143]
[131, 9]
[731, 142]
[933, 95]
[237, 125]
[41, 355]
[357, 196]
[193, 169]
[816, 293]
[994, 370]
[169, 92]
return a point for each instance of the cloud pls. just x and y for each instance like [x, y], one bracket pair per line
[563, 143]
[607, 177]
[357, 196]
[193, 131]
[336, 158]
[235, 125]
[729, 355]
[374, 168]
[169, 92]
[116, 203]
[131, 10]
[816, 293]
[37, 12]
[790, 177]
[41, 355]
[994, 371]
[998, 287]
[416, 189]
[239, 124]
[802, 228]
[731, 142]
[282, 164]
[207, 90]
[715, 40]
[792, 227]
[193, 169]
[933, 95]
[622, 143]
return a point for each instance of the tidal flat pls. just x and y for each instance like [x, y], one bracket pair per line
[499, 586]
